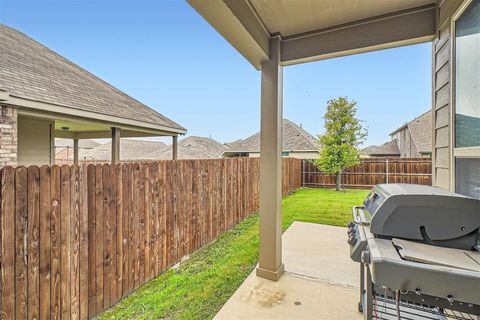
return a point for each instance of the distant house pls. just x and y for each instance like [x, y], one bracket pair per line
[64, 148]
[44, 96]
[414, 139]
[190, 148]
[388, 149]
[130, 150]
[411, 140]
[297, 143]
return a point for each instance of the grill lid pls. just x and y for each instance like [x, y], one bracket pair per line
[425, 213]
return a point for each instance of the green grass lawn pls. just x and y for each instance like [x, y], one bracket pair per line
[201, 285]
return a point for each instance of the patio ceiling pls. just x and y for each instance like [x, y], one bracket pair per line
[313, 30]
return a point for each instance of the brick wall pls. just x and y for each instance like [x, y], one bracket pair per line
[8, 136]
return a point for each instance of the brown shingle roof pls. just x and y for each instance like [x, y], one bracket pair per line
[129, 150]
[190, 148]
[368, 150]
[32, 71]
[421, 132]
[233, 144]
[389, 148]
[294, 139]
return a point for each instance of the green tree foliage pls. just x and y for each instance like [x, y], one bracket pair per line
[343, 135]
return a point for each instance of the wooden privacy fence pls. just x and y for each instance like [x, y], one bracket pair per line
[77, 239]
[372, 171]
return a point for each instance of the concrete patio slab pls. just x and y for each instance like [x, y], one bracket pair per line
[320, 280]
[321, 252]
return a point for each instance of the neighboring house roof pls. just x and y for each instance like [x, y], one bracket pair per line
[190, 148]
[233, 144]
[31, 71]
[389, 148]
[129, 150]
[294, 139]
[82, 143]
[421, 132]
[368, 150]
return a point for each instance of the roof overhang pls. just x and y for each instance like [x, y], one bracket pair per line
[130, 128]
[313, 30]
[3, 95]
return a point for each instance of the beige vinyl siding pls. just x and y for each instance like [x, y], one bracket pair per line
[442, 66]
[441, 105]
[34, 141]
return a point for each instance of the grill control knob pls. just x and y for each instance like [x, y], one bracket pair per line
[352, 240]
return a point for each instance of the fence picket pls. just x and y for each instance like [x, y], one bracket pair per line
[21, 250]
[55, 234]
[45, 243]
[118, 232]
[99, 234]
[7, 241]
[76, 239]
[33, 242]
[75, 242]
[83, 243]
[92, 284]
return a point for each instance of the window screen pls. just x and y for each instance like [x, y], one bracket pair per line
[467, 77]
[468, 176]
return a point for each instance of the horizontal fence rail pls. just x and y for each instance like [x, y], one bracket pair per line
[75, 240]
[370, 172]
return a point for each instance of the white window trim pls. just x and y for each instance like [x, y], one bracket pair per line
[466, 152]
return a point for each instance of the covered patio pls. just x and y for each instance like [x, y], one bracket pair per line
[275, 34]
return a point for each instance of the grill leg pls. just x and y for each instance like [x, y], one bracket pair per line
[362, 286]
[397, 304]
[368, 299]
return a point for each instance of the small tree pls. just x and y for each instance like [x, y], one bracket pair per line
[343, 134]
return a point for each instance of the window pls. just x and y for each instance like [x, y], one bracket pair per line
[285, 153]
[468, 176]
[467, 77]
[466, 154]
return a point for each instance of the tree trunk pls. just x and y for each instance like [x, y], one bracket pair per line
[339, 181]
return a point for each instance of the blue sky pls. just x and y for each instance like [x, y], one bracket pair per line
[165, 55]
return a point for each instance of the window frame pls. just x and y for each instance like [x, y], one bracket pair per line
[464, 152]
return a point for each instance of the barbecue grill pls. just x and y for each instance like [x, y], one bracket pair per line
[418, 249]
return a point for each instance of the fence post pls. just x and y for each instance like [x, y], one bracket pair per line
[386, 169]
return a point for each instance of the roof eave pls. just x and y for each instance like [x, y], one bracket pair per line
[65, 112]
[238, 24]
[241, 26]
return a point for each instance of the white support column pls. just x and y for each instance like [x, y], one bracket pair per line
[53, 153]
[174, 147]
[75, 151]
[270, 260]
[115, 145]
